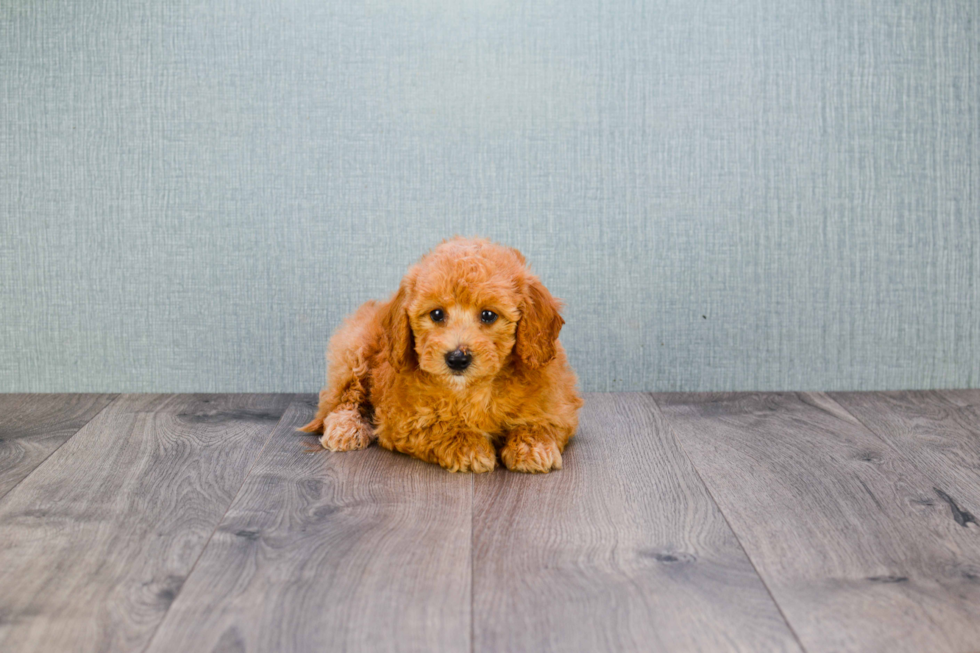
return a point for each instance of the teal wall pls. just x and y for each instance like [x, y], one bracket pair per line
[765, 194]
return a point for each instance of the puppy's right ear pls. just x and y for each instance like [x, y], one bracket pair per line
[397, 337]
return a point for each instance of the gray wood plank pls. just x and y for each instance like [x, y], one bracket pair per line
[938, 431]
[355, 551]
[34, 425]
[845, 531]
[622, 550]
[95, 545]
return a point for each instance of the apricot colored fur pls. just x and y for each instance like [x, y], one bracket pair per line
[388, 379]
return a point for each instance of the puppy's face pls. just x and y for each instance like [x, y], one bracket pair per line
[465, 307]
[464, 332]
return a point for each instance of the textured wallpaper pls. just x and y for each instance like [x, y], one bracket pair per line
[765, 194]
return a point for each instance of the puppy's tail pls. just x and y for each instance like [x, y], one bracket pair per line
[323, 409]
[316, 426]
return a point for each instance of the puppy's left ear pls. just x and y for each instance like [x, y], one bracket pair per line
[540, 323]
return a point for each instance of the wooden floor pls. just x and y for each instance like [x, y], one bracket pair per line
[735, 522]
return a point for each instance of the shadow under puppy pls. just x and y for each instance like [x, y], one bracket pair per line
[463, 360]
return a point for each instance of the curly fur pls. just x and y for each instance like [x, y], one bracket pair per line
[387, 376]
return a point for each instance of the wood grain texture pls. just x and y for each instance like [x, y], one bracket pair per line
[355, 551]
[96, 544]
[845, 531]
[34, 425]
[938, 431]
[622, 550]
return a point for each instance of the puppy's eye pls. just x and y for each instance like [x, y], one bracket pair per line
[488, 317]
[437, 315]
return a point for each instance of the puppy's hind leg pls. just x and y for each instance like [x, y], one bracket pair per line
[345, 429]
[341, 416]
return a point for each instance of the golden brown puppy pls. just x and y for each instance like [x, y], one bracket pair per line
[462, 360]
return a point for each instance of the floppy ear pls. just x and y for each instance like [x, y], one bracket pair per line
[397, 336]
[538, 328]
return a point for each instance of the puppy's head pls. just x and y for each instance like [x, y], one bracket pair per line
[469, 308]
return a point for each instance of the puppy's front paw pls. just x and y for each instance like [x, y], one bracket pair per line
[345, 430]
[467, 453]
[531, 453]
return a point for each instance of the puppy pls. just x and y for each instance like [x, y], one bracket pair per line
[463, 360]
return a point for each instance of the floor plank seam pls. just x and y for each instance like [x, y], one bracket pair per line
[741, 546]
[472, 563]
[898, 452]
[217, 525]
[68, 439]
[960, 516]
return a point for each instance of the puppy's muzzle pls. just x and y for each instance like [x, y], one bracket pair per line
[458, 360]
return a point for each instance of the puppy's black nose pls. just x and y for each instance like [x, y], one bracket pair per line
[458, 360]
